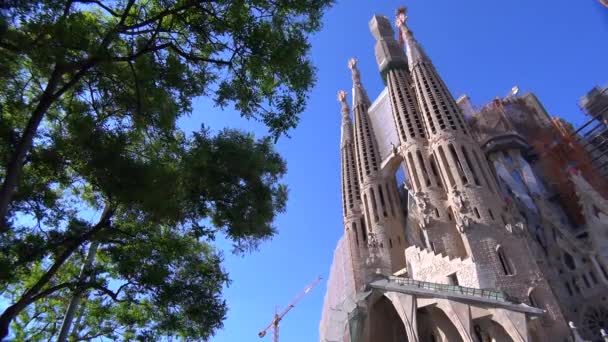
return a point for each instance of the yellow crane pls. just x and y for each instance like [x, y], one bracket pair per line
[274, 325]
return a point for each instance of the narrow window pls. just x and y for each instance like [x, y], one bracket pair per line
[446, 166]
[569, 289]
[436, 173]
[586, 281]
[363, 229]
[382, 203]
[372, 194]
[366, 206]
[450, 216]
[390, 199]
[425, 173]
[454, 155]
[483, 169]
[533, 300]
[569, 261]
[504, 262]
[593, 277]
[453, 279]
[436, 212]
[422, 238]
[412, 167]
[433, 247]
[491, 214]
[356, 233]
[390, 243]
[477, 213]
[470, 165]
[399, 239]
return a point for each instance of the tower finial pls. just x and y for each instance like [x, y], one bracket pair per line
[342, 96]
[342, 99]
[352, 65]
[400, 20]
[401, 17]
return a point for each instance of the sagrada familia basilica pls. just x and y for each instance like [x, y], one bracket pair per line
[464, 224]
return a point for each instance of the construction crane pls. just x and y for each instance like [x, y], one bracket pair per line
[274, 325]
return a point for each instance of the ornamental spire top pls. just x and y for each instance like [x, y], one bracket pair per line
[345, 110]
[359, 94]
[347, 127]
[415, 53]
[352, 65]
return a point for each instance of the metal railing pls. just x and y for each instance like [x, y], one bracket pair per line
[455, 289]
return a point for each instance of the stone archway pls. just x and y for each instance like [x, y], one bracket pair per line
[486, 329]
[435, 326]
[385, 324]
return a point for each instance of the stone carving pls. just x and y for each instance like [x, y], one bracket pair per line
[536, 278]
[464, 222]
[375, 261]
[393, 148]
[424, 208]
[516, 228]
[459, 201]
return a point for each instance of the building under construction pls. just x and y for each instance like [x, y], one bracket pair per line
[464, 223]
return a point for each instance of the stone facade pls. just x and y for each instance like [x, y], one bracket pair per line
[473, 251]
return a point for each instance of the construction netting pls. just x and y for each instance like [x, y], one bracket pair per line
[341, 318]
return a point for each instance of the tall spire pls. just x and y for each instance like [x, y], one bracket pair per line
[415, 52]
[350, 182]
[347, 126]
[354, 225]
[359, 94]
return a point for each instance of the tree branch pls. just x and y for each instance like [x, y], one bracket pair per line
[189, 4]
[100, 4]
[113, 295]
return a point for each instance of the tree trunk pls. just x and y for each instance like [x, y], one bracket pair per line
[75, 300]
[15, 164]
[29, 296]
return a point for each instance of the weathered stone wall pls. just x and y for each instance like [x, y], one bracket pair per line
[425, 265]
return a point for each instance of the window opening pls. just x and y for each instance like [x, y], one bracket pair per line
[504, 262]
[470, 165]
[453, 279]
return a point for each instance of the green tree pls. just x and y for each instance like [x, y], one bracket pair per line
[162, 203]
[91, 92]
[145, 60]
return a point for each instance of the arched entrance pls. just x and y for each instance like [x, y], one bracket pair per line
[485, 329]
[385, 323]
[435, 326]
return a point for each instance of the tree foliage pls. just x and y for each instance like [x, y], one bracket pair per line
[91, 154]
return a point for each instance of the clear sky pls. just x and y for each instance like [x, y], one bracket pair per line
[556, 49]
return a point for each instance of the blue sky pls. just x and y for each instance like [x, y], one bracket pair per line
[556, 49]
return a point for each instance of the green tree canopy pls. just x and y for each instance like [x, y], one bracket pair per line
[91, 93]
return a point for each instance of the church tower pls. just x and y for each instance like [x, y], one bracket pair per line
[354, 225]
[453, 256]
[382, 219]
[426, 180]
[492, 233]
